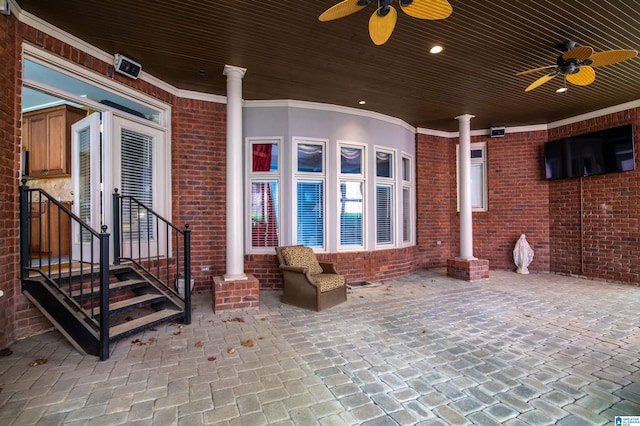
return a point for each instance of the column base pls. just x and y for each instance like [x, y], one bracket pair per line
[238, 294]
[468, 270]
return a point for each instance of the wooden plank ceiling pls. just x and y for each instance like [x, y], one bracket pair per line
[289, 54]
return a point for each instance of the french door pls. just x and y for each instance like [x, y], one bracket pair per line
[86, 180]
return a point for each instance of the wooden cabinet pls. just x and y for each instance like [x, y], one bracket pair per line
[47, 138]
[50, 231]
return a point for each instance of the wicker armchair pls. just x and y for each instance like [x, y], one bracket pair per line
[308, 283]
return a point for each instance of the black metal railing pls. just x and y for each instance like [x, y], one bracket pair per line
[154, 244]
[69, 254]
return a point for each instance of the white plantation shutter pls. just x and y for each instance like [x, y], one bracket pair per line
[137, 181]
[477, 185]
[406, 214]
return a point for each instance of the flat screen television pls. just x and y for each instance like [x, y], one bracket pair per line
[604, 151]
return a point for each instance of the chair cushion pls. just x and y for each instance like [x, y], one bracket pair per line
[302, 257]
[327, 282]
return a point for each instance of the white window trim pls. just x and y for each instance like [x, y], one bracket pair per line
[410, 185]
[261, 176]
[392, 182]
[352, 178]
[485, 188]
[306, 177]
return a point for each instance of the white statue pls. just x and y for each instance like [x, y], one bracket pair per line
[522, 255]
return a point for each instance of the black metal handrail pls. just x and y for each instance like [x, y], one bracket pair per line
[84, 281]
[154, 244]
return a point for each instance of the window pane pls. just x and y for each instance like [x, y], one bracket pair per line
[406, 169]
[384, 214]
[264, 214]
[310, 213]
[406, 214]
[310, 158]
[351, 213]
[476, 153]
[350, 160]
[137, 181]
[265, 157]
[477, 186]
[384, 161]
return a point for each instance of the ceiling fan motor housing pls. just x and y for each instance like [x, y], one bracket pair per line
[568, 66]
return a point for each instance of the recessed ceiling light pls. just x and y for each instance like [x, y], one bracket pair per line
[362, 102]
[561, 90]
[436, 49]
[202, 72]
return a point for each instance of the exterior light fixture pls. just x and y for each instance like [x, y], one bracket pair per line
[436, 49]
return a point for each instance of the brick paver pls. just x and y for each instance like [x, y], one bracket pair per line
[422, 349]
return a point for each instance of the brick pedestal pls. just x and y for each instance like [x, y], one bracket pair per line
[468, 270]
[242, 294]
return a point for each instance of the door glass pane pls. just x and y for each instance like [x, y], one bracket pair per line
[309, 158]
[264, 214]
[84, 180]
[137, 181]
[310, 213]
[351, 213]
[384, 214]
[384, 161]
[350, 160]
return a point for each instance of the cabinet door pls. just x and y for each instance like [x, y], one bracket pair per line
[58, 143]
[37, 143]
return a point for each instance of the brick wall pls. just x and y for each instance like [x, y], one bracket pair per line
[518, 201]
[9, 160]
[434, 200]
[595, 221]
[199, 183]
[376, 265]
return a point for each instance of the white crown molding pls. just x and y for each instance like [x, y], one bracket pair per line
[201, 96]
[595, 114]
[289, 103]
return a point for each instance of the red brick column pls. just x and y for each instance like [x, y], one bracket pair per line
[241, 294]
[468, 270]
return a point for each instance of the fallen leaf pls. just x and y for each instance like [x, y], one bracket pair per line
[128, 319]
[153, 329]
[260, 338]
[230, 350]
[141, 343]
[424, 331]
[135, 341]
[177, 333]
[39, 361]
[247, 343]
[263, 319]
[211, 358]
[198, 344]
[210, 321]
[236, 319]
[361, 297]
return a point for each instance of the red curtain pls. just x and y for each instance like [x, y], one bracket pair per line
[264, 233]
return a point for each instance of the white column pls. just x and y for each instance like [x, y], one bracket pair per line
[235, 190]
[464, 188]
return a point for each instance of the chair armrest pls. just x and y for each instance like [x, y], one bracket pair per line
[298, 269]
[328, 268]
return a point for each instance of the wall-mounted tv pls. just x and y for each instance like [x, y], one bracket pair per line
[604, 151]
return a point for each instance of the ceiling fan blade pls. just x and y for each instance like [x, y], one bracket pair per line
[342, 9]
[584, 77]
[381, 27]
[581, 53]
[611, 57]
[539, 82]
[535, 70]
[428, 9]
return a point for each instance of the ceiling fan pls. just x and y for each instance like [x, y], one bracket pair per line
[577, 64]
[383, 20]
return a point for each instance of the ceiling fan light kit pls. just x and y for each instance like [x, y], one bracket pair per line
[383, 20]
[576, 64]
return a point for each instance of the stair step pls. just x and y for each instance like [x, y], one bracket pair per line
[112, 287]
[145, 299]
[151, 319]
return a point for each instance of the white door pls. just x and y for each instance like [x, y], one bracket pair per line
[86, 180]
[136, 169]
